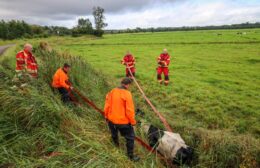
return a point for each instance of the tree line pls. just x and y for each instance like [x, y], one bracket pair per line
[20, 29]
[246, 25]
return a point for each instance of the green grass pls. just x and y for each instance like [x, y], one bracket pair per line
[212, 100]
[214, 86]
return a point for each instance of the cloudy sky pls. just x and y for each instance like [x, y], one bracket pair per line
[122, 14]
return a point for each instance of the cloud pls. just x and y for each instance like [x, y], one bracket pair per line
[71, 7]
[134, 13]
[49, 12]
[189, 13]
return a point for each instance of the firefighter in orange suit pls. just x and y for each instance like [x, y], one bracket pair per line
[61, 82]
[120, 114]
[163, 62]
[26, 63]
[129, 61]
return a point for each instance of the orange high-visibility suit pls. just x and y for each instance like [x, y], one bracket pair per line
[119, 107]
[60, 79]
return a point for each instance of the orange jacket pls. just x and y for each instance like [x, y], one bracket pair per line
[60, 79]
[119, 107]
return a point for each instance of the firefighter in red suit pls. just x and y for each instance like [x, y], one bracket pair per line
[26, 64]
[129, 61]
[163, 62]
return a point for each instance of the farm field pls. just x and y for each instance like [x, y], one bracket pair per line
[214, 86]
[212, 100]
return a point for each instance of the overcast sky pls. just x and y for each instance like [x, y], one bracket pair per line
[133, 13]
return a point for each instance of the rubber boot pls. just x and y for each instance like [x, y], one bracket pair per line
[134, 158]
[116, 144]
[166, 83]
[159, 78]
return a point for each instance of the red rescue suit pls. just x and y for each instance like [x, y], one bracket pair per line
[129, 61]
[26, 62]
[163, 62]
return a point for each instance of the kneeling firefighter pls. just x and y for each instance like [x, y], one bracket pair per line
[61, 82]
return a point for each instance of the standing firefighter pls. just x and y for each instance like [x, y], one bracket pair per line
[163, 62]
[119, 111]
[129, 61]
[26, 64]
[61, 82]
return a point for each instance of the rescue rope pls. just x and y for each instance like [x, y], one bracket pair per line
[90, 103]
[139, 140]
[164, 121]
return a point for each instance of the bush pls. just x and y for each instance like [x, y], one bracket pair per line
[98, 33]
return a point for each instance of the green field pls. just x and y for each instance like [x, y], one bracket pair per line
[214, 86]
[213, 99]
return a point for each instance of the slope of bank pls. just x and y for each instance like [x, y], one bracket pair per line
[37, 130]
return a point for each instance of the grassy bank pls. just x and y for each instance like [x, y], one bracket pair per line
[212, 102]
[34, 122]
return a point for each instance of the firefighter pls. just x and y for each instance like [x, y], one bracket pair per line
[119, 112]
[163, 62]
[129, 62]
[61, 82]
[26, 64]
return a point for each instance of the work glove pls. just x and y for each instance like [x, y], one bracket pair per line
[138, 123]
[163, 63]
[139, 112]
[107, 121]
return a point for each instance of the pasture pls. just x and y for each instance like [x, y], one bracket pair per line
[214, 79]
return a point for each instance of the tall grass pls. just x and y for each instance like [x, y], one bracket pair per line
[34, 123]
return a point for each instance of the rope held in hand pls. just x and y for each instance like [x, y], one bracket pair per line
[164, 121]
[139, 140]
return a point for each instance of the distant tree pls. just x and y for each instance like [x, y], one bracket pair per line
[12, 30]
[138, 29]
[27, 29]
[84, 26]
[75, 32]
[99, 18]
[3, 30]
[128, 30]
[37, 29]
